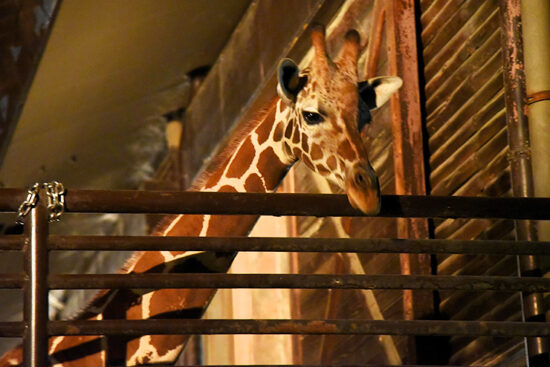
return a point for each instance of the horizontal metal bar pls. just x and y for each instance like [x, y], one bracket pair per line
[301, 204]
[10, 199]
[12, 242]
[310, 327]
[230, 244]
[310, 365]
[363, 327]
[13, 281]
[126, 201]
[12, 329]
[301, 281]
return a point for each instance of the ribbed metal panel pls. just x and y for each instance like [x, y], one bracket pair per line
[466, 126]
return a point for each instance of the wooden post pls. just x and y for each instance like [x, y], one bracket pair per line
[408, 147]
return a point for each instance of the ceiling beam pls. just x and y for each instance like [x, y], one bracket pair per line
[243, 79]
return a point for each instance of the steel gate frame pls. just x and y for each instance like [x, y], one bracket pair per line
[36, 281]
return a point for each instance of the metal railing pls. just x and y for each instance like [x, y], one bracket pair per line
[36, 281]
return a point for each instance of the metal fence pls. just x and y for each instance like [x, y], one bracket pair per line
[36, 281]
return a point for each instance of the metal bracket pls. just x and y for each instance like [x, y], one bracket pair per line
[542, 95]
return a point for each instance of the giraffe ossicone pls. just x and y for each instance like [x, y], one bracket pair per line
[318, 120]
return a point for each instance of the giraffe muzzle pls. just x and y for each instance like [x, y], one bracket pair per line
[363, 189]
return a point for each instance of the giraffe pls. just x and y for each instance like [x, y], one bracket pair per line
[317, 118]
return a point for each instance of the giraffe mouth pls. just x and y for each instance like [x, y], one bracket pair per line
[363, 190]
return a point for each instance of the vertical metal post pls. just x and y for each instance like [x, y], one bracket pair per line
[520, 163]
[35, 339]
[408, 154]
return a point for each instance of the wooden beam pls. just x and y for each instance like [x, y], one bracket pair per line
[25, 27]
[408, 147]
[243, 79]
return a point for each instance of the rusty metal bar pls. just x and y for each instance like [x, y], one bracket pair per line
[10, 199]
[407, 206]
[324, 365]
[375, 38]
[309, 327]
[301, 204]
[12, 329]
[12, 242]
[299, 281]
[35, 310]
[282, 244]
[408, 150]
[13, 281]
[296, 281]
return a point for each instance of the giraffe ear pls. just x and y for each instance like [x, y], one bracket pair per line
[289, 81]
[377, 91]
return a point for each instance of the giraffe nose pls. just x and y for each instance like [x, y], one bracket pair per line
[363, 189]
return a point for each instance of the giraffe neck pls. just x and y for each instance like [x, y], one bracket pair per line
[256, 161]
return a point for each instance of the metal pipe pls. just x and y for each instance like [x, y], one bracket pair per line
[406, 206]
[309, 327]
[35, 311]
[300, 281]
[358, 245]
[323, 365]
[535, 16]
[301, 204]
[520, 160]
[328, 365]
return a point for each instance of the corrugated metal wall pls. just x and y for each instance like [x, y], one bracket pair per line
[466, 127]
[467, 146]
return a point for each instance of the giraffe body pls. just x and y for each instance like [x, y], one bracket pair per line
[315, 120]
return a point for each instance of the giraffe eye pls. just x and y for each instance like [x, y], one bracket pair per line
[312, 118]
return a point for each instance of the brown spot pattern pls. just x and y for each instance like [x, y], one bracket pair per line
[345, 151]
[322, 169]
[316, 152]
[297, 152]
[296, 135]
[286, 148]
[254, 184]
[214, 178]
[278, 133]
[288, 130]
[145, 263]
[332, 163]
[174, 300]
[271, 168]
[281, 107]
[225, 225]
[308, 162]
[265, 127]
[227, 188]
[192, 227]
[242, 160]
[305, 145]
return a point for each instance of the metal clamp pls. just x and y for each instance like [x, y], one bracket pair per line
[542, 95]
[56, 201]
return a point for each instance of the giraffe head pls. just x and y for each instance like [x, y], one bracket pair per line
[327, 109]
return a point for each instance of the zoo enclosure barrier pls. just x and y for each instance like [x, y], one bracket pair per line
[36, 280]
